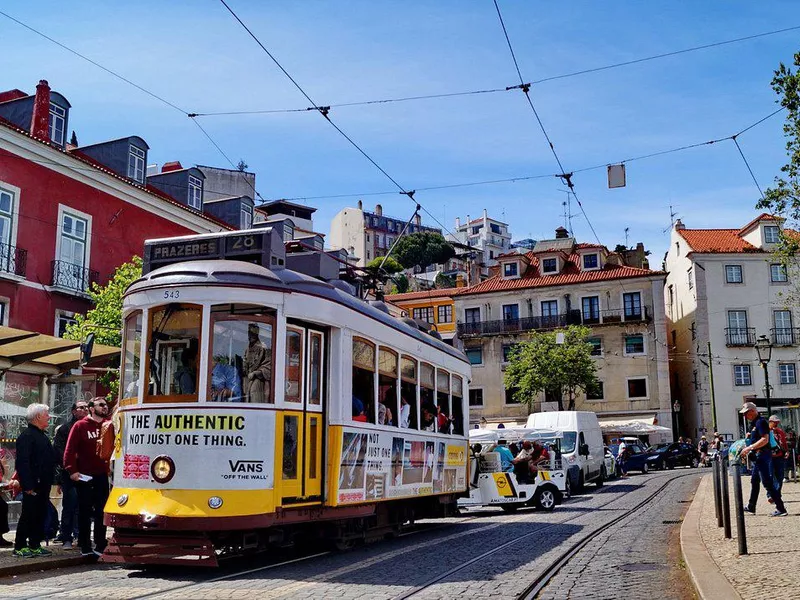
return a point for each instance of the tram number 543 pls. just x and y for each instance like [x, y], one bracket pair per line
[172, 294]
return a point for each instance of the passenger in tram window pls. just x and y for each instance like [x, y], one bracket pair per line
[405, 412]
[385, 416]
[358, 410]
[226, 384]
[258, 368]
[428, 417]
[186, 374]
[443, 421]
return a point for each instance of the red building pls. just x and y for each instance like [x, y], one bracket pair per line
[70, 215]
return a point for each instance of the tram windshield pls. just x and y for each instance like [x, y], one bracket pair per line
[173, 350]
[131, 355]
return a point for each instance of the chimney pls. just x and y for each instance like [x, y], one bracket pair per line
[379, 210]
[417, 220]
[485, 214]
[360, 205]
[40, 121]
[679, 225]
[458, 222]
[561, 233]
[460, 283]
[171, 166]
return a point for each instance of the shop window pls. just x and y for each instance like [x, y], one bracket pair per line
[476, 397]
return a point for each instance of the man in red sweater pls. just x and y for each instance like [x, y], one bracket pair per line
[90, 474]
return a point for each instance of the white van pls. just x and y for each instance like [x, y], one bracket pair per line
[581, 444]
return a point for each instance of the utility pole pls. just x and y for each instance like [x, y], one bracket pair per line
[711, 382]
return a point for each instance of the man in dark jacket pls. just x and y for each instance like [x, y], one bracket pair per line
[69, 493]
[36, 462]
[758, 443]
[90, 474]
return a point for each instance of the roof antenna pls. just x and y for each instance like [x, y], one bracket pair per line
[626, 236]
[672, 215]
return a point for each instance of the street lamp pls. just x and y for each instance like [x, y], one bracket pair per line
[764, 351]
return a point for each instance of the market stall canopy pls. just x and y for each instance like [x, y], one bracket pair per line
[31, 352]
[632, 425]
[515, 434]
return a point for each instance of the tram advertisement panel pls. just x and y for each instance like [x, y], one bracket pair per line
[384, 464]
[210, 449]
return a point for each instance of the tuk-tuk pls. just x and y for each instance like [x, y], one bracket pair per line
[490, 485]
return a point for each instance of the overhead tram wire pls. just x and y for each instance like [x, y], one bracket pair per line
[129, 82]
[324, 111]
[499, 90]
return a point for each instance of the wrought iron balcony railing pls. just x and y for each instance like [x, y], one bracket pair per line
[785, 336]
[72, 277]
[13, 260]
[740, 336]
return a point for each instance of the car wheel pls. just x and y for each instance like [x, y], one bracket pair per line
[695, 462]
[600, 480]
[545, 499]
[645, 468]
[670, 465]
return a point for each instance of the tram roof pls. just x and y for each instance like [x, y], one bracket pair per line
[243, 274]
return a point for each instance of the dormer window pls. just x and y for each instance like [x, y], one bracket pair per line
[136, 160]
[195, 192]
[510, 269]
[591, 261]
[549, 265]
[247, 216]
[58, 119]
[771, 234]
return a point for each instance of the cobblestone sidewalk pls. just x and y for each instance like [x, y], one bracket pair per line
[772, 567]
[11, 565]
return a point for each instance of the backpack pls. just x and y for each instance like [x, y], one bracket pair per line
[105, 441]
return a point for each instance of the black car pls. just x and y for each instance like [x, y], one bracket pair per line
[669, 456]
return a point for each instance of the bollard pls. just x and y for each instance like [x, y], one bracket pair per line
[741, 535]
[717, 492]
[726, 502]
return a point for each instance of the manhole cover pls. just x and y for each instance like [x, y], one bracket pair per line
[672, 521]
[642, 567]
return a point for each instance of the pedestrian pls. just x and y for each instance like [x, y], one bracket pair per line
[622, 458]
[702, 447]
[506, 458]
[36, 463]
[791, 444]
[758, 443]
[4, 526]
[779, 452]
[89, 472]
[69, 494]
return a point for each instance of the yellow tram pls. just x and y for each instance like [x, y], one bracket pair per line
[261, 401]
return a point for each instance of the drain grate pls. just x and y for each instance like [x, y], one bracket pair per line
[672, 521]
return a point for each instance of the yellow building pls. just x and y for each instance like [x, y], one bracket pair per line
[437, 307]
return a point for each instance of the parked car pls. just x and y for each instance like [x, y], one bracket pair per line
[610, 462]
[637, 456]
[673, 455]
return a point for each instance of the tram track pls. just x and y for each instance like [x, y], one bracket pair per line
[532, 591]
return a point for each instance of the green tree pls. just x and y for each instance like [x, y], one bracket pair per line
[783, 199]
[443, 281]
[105, 319]
[390, 266]
[400, 284]
[542, 364]
[422, 249]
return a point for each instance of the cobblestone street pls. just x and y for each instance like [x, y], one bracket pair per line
[483, 554]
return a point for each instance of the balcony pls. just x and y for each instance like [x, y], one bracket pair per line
[13, 260]
[616, 315]
[740, 336]
[785, 336]
[72, 277]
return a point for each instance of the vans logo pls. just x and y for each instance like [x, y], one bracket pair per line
[246, 466]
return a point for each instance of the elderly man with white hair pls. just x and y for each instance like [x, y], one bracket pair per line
[36, 463]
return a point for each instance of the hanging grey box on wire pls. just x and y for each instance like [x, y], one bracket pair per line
[616, 176]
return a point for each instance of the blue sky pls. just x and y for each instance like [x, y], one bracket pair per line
[195, 55]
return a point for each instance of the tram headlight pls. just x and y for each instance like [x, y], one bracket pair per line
[122, 500]
[162, 469]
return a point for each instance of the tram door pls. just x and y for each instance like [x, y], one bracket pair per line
[301, 448]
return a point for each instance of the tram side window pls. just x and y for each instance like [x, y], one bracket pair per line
[388, 410]
[408, 393]
[427, 398]
[132, 348]
[241, 354]
[457, 404]
[173, 351]
[443, 416]
[363, 381]
[294, 365]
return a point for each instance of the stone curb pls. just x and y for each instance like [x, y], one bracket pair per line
[708, 580]
[22, 566]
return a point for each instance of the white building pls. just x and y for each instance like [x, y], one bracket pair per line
[725, 287]
[488, 236]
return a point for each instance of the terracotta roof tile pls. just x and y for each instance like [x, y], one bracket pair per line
[440, 293]
[761, 217]
[716, 241]
[570, 275]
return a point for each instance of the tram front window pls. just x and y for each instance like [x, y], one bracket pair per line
[173, 351]
[132, 348]
[241, 355]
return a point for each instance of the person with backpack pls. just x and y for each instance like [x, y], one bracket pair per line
[779, 452]
[89, 471]
[758, 442]
[69, 493]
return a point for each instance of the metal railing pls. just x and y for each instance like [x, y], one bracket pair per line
[13, 260]
[785, 336]
[740, 336]
[69, 276]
